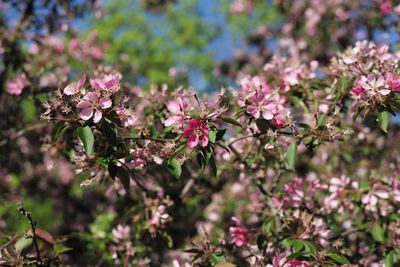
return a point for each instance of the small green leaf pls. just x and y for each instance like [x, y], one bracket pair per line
[309, 248]
[24, 245]
[291, 155]
[169, 240]
[29, 110]
[338, 258]
[383, 120]
[174, 168]
[378, 233]
[390, 259]
[297, 245]
[212, 136]
[321, 121]
[217, 259]
[87, 138]
[230, 120]
[60, 249]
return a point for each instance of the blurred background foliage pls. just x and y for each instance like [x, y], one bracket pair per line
[147, 42]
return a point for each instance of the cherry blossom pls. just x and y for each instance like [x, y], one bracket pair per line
[16, 85]
[196, 132]
[92, 105]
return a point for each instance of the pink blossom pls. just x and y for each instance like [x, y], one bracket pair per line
[138, 161]
[121, 232]
[393, 82]
[90, 104]
[16, 85]
[357, 90]
[74, 88]
[177, 108]
[160, 217]
[240, 236]
[195, 132]
[127, 116]
[110, 82]
[385, 7]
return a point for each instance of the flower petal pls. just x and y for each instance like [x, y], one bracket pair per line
[193, 141]
[86, 114]
[97, 116]
[105, 102]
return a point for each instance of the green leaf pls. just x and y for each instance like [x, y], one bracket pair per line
[24, 245]
[383, 120]
[169, 240]
[217, 259]
[29, 109]
[212, 136]
[124, 177]
[60, 249]
[291, 155]
[390, 259]
[338, 258]
[174, 168]
[87, 138]
[321, 121]
[309, 248]
[297, 245]
[230, 120]
[378, 233]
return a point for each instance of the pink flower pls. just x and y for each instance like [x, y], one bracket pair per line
[240, 236]
[393, 82]
[177, 108]
[107, 82]
[385, 7]
[357, 90]
[15, 86]
[121, 232]
[74, 88]
[90, 104]
[195, 132]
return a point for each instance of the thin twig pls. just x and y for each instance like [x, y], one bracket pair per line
[23, 132]
[33, 227]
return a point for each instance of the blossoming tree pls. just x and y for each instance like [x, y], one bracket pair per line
[295, 164]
